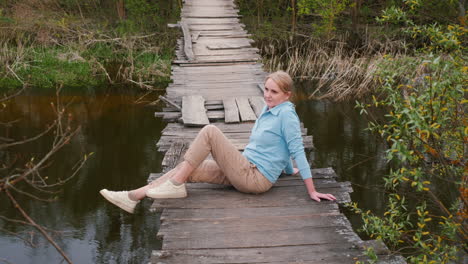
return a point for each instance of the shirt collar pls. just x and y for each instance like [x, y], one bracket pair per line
[277, 109]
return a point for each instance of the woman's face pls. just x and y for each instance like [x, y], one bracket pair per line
[273, 95]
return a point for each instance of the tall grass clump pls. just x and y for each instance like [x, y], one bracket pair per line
[338, 70]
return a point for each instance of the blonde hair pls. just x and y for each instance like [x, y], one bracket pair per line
[283, 80]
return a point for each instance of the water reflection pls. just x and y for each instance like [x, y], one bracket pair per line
[122, 137]
[342, 142]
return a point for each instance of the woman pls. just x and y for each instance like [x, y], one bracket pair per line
[275, 139]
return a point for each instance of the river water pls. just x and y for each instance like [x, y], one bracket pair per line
[122, 135]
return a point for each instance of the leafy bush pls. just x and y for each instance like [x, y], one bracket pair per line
[427, 132]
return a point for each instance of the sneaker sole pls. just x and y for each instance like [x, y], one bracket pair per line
[166, 196]
[115, 202]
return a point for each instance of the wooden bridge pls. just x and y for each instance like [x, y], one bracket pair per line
[217, 79]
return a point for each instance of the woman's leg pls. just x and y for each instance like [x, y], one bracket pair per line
[237, 170]
[208, 171]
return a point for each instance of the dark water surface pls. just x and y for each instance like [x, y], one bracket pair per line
[122, 136]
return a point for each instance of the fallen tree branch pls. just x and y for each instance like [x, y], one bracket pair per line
[170, 102]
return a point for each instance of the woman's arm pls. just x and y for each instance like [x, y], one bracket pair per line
[314, 194]
[293, 137]
[309, 183]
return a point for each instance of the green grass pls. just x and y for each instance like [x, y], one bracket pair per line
[48, 67]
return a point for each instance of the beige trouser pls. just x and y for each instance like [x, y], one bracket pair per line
[229, 166]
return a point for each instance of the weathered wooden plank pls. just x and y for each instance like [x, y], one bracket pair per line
[201, 50]
[175, 214]
[339, 253]
[207, 93]
[164, 146]
[174, 116]
[231, 112]
[211, 20]
[195, 37]
[224, 46]
[187, 41]
[213, 16]
[276, 197]
[261, 223]
[222, 27]
[193, 111]
[225, 35]
[215, 61]
[233, 57]
[216, 85]
[213, 83]
[208, 9]
[245, 110]
[213, 33]
[257, 104]
[228, 41]
[293, 236]
[198, 82]
[174, 154]
[226, 128]
[209, 12]
[221, 68]
[261, 86]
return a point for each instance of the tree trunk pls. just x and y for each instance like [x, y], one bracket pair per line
[461, 12]
[355, 14]
[121, 9]
[293, 22]
[259, 10]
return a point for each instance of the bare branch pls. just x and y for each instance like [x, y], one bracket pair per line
[38, 227]
[28, 241]
[3, 146]
[8, 97]
[14, 73]
[64, 139]
[27, 193]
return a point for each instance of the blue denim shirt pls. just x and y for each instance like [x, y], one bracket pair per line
[275, 139]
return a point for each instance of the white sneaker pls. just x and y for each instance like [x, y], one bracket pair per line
[167, 190]
[120, 199]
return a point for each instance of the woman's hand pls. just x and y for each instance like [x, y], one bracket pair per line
[317, 196]
[314, 195]
[295, 171]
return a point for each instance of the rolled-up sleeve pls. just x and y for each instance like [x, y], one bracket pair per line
[291, 130]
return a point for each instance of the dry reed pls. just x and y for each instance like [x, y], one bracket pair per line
[340, 72]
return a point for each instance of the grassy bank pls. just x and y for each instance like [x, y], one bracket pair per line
[85, 44]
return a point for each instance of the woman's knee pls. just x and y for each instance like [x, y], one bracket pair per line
[210, 127]
[210, 130]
